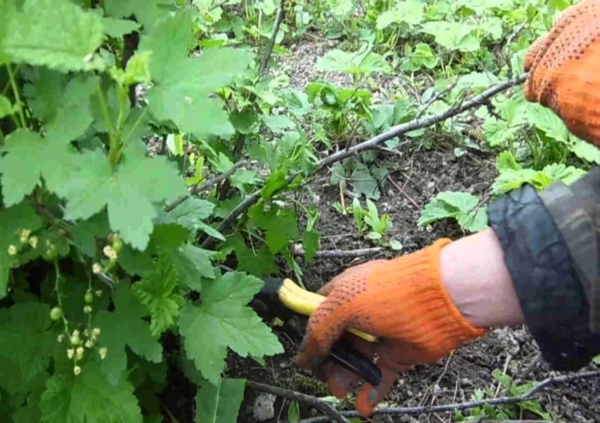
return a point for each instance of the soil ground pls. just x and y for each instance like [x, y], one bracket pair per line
[421, 175]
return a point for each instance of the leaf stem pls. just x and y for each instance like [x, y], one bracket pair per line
[113, 147]
[58, 297]
[15, 89]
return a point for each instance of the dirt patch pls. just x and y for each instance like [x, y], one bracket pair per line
[421, 175]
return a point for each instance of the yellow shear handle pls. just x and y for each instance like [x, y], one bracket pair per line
[305, 302]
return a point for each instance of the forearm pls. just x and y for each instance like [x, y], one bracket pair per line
[476, 278]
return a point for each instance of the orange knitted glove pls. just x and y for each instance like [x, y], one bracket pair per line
[401, 301]
[564, 69]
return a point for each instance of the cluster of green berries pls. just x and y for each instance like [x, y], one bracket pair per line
[111, 251]
[80, 341]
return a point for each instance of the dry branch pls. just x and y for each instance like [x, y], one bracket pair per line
[466, 405]
[374, 143]
[332, 413]
[361, 252]
[269, 51]
[415, 124]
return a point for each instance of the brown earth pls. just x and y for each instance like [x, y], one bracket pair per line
[419, 175]
[455, 378]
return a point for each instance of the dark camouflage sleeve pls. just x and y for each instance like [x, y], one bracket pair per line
[551, 244]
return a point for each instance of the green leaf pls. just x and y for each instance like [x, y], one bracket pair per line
[37, 35]
[244, 121]
[293, 413]
[311, 244]
[183, 85]
[6, 109]
[147, 12]
[462, 201]
[277, 123]
[89, 397]
[219, 403]
[190, 213]
[122, 328]
[259, 263]
[281, 228]
[130, 193]
[225, 319]
[191, 264]
[156, 291]
[12, 221]
[360, 62]
[116, 28]
[26, 341]
[275, 183]
[586, 151]
[168, 42]
[44, 159]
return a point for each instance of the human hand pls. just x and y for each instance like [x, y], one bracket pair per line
[400, 301]
[563, 70]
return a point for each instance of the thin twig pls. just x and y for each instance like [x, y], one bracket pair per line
[332, 413]
[205, 185]
[361, 252]
[399, 188]
[466, 405]
[371, 144]
[422, 123]
[269, 51]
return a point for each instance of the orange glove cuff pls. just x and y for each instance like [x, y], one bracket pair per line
[426, 315]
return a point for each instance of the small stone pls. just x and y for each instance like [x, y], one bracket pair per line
[264, 407]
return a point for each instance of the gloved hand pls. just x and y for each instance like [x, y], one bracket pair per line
[403, 302]
[563, 70]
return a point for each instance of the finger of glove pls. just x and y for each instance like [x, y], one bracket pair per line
[340, 380]
[325, 326]
[368, 397]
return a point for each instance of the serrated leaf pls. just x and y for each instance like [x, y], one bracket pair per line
[26, 339]
[86, 232]
[28, 158]
[89, 397]
[586, 151]
[37, 35]
[12, 220]
[184, 84]
[224, 317]
[191, 264]
[168, 42]
[277, 123]
[219, 403]
[147, 12]
[244, 121]
[156, 291]
[474, 221]
[116, 28]
[433, 211]
[461, 201]
[122, 328]
[73, 114]
[281, 228]
[130, 193]
[190, 213]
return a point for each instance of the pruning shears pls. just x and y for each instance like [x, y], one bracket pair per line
[292, 305]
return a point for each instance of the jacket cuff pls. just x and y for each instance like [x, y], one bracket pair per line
[551, 296]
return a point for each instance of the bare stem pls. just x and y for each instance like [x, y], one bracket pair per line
[331, 413]
[13, 84]
[466, 405]
[278, 19]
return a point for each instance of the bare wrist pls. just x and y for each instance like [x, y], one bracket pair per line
[477, 280]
